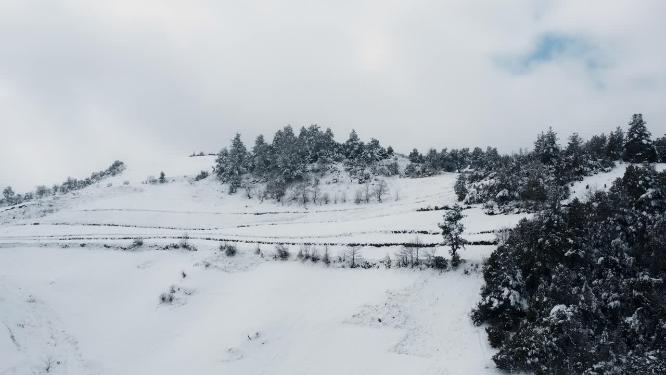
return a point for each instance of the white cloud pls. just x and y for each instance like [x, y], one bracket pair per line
[111, 79]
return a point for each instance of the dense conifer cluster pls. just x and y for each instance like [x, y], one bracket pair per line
[580, 289]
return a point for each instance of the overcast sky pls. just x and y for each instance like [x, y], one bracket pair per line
[85, 82]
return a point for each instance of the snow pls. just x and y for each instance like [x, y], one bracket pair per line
[71, 299]
[602, 181]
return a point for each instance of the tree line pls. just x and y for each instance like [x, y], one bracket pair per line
[527, 180]
[10, 197]
[291, 158]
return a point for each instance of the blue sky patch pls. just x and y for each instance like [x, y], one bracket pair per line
[552, 47]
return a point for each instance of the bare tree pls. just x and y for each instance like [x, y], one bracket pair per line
[301, 194]
[366, 191]
[406, 256]
[358, 197]
[248, 187]
[354, 254]
[381, 189]
[417, 247]
[316, 191]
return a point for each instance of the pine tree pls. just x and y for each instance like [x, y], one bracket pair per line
[574, 156]
[415, 156]
[238, 162]
[615, 144]
[660, 146]
[289, 164]
[596, 146]
[353, 147]
[547, 148]
[452, 230]
[162, 178]
[232, 164]
[638, 147]
[460, 187]
[262, 160]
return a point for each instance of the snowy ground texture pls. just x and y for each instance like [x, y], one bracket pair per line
[72, 301]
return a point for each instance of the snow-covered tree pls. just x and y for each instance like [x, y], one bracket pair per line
[452, 229]
[262, 158]
[380, 189]
[9, 195]
[574, 156]
[546, 147]
[615, 144]
[660, 146]
[638, 147]
[288, 161]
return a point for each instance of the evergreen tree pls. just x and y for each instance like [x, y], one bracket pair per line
[452, 230]
[574, 156]
[460, 187]
[596, 146]
[374, 152]
[353, 147]
[289, 164]
[262, 158]
[660, 146]
[638, 147]
[615, 144]
[10, 196]
[162, 178]
[546, 147]
[415, 157]
[477, 158]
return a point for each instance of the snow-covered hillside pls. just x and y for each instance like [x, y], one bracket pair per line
[72, 301]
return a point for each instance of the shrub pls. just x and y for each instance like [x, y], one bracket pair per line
[455, 260]
[282, 252]
[185, 243]
[314, 255]
[137, 242]
[326, 258]
[440, 263]
[167, 297]
[228, 249]
[202, 175]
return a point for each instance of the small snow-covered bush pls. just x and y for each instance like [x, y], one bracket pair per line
[202, 175]
[282, 252]
[185, 243]
[455, 260]
[228, 249]
[137, 242]
[439, 262]
[168, 297]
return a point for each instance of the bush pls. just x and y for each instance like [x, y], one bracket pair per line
[202, 175]
[137, 242]
[228, 249]
[455, 261]
[168, 297]
[439, 262]
[326, 258]
[185, 243]
[282, 252]
[314, 255]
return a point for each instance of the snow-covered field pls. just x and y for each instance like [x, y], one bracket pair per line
[73, 302]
